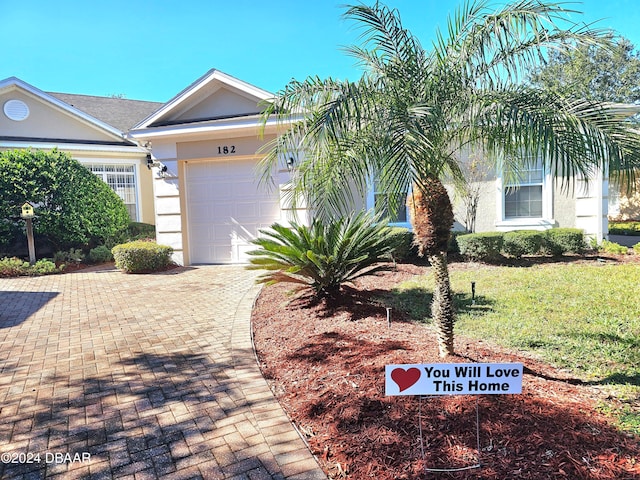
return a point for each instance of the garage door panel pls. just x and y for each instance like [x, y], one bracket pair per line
[225, 209]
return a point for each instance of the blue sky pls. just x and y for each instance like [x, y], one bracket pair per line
[152, 49]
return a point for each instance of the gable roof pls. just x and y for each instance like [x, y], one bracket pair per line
[190, 96]
[111, 132]
[121, 113]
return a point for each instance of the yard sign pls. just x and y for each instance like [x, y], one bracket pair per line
[453, 379]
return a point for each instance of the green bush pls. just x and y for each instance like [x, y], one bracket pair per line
[612, 247]
[141, 257]
[325, 255]
[14, 267]
[481, 246]
[454, 248]
[73, 255]
[636, 248]
[133, 231]
[100, 254]
[558, 241]
[45, 267]
[522, 242]
[139, 231]
[73, 207]
[624, 228]
[11, 267]
[405, 250]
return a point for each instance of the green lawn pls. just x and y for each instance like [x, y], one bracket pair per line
[585, 318]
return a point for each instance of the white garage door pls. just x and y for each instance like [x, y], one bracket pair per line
[225, 209]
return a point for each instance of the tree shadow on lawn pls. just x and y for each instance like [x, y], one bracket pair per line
[149, 413]
[414, 304]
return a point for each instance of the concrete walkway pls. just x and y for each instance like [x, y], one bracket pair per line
[105, 375]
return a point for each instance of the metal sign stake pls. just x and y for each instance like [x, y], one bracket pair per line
[449, 469]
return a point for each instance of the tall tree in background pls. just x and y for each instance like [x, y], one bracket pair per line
[608, 72]
[413, 112]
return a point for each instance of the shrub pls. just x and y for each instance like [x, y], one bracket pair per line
[14, 267]
[624, 228]
[11, 267]
[481, 246]
[558, 241]
[454, 248]
[405, 250]
[612, 247]
[141, 257]
[44, 267]
[522, 242]
[325, 255]
[73, 255]
[100, 254]
[636, 248]
[139, 231]
[73, 207]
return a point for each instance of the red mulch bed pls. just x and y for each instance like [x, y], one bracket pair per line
[325, 364]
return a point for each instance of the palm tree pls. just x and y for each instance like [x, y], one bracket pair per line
[409, 118]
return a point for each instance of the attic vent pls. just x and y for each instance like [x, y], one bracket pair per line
[16, 110]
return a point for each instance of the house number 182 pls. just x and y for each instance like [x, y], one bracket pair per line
[226, 149]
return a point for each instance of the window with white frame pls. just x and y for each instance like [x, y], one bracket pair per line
[122, 179]
[523, 198]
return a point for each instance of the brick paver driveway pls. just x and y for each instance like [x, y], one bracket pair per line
[107, 375]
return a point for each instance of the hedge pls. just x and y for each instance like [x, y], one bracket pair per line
[559, 241]
[624, 228]
[141, 256]
[481, 246]
[489, 246]
[522, 242]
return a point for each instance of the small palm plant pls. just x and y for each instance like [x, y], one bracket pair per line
[325, 255]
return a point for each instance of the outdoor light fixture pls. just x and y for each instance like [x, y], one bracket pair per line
[162, 169]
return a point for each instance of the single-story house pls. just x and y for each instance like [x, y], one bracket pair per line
[90, 129]
[203, 149]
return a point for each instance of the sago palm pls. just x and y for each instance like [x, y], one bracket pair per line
[325, 255]
[414, 112]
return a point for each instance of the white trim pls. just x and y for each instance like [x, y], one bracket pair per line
[128, 162]
[14, 83]
[130, 150]
[522, 223]
[192, 90]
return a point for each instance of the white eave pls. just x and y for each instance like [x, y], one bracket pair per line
[236, 126]
[12, 83]
[76, 147]
[195, 88]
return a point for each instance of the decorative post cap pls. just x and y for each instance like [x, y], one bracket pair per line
[27, 210]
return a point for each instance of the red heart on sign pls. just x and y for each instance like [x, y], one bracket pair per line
[405, 378]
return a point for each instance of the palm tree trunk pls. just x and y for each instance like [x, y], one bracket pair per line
[432, 219]
[442, 310]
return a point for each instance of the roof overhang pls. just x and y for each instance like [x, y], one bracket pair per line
[14, 83]
[227, 128]
[193, 91]
[125, 150]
